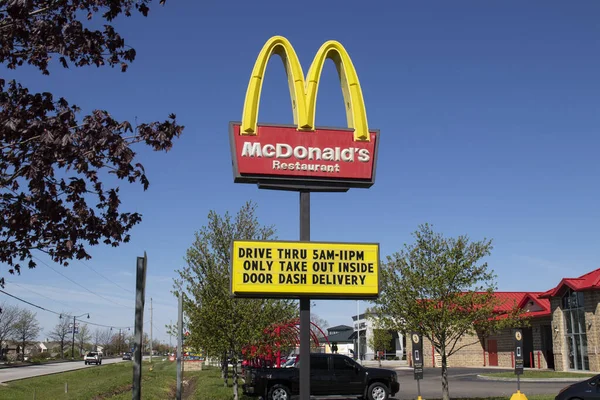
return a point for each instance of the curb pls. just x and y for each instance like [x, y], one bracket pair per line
[573, 379]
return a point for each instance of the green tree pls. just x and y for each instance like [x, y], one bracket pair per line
[381, 339]
[441, 288]
[219, 324]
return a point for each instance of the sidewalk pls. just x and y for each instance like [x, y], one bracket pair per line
[385, 363]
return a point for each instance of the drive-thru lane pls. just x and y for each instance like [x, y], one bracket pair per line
[11, 374]
[463, 382]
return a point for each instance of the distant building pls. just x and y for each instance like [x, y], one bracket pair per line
[362, 333]
[340, 336]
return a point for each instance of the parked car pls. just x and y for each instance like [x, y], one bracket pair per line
[331, 374]
[126, 356]
[585, 390]
[93, 357]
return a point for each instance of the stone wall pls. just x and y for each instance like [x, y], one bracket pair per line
[592, 326]
[558, 331]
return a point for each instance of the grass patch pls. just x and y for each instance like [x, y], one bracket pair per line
[98, 383]
[158, 384]
[209, 386]
[541, 374]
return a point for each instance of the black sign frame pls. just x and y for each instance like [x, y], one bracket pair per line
[417, 354]
[518, 341]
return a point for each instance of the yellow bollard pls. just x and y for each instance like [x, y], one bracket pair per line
[518, 396]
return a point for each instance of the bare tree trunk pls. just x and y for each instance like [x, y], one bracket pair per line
[235, 380]
[224, 370]
[445, 389]
[379, 359]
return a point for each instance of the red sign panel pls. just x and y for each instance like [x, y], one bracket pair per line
[284, 156]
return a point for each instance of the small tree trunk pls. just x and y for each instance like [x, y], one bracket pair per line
[445, 389]
[379, 359]
[235, 380]
[224, 370]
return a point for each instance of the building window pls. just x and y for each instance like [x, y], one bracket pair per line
[573, 312]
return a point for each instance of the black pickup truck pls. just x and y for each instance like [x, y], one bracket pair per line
[330, 374]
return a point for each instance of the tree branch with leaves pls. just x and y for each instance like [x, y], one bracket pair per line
[441, 288]
[53, 192]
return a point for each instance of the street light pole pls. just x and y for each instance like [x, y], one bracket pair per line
[73, 341]
[358, 331]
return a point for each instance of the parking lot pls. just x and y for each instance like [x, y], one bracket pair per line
[463, 382]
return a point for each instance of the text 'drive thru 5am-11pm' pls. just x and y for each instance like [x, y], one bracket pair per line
[272, 268]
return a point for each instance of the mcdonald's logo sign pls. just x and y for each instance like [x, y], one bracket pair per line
[304, 155]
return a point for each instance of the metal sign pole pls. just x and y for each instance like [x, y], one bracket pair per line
[140, 293]
[417, 359]
[518, 343]
[305, 304]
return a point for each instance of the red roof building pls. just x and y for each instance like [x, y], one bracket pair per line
[563, 332]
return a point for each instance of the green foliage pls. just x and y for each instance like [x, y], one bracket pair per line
[440, 287]
[381, 340]
[39, 358]
[219, 324]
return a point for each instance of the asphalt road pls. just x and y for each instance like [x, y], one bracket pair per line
[11, 374]
[463, 382]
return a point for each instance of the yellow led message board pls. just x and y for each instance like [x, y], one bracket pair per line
[294, 269]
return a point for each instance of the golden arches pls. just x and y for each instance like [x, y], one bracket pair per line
[304, 93]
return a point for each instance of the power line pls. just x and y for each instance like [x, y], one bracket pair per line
[65, 314]
[31, 304]
[49, 298]
[39, 294]
[109, 280]
[80, 285]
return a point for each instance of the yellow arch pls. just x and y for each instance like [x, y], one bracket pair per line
[356, 114]
[282, 47]
[304, 94]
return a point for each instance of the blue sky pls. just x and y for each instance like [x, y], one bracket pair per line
[489, 119]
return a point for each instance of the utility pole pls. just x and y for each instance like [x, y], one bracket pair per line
[179, 345]
[150, 330]
[74, 324]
